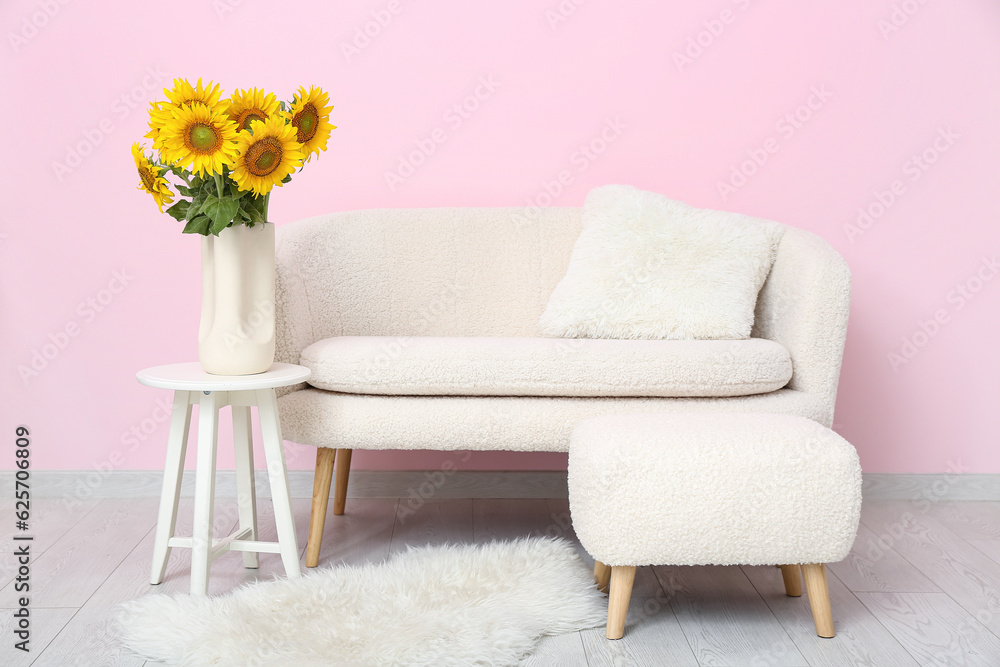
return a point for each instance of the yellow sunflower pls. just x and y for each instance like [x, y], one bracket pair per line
[267, 155]
[310, 117]
[151, 178]
[249, 105]
[183, 93]
[200, 138]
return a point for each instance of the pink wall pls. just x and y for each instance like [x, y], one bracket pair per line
[888, 82]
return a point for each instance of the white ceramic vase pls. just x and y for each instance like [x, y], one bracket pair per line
[236, 335]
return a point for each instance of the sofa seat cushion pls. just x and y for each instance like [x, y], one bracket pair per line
[430, 366]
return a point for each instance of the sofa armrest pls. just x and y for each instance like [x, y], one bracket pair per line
[804, 306]
[293, 330]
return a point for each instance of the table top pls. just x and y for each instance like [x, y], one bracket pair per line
[190, 377]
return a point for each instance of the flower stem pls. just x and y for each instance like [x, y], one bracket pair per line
[267, 200]
[180, 173]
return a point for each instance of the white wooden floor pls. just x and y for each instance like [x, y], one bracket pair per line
[922, 586]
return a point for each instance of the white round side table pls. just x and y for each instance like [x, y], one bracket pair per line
[193, 386]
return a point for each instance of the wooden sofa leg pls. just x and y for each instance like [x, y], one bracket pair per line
[622, 578]
[819, 598]
[793, 580]
[321, 498]
[602, 575]
[340, 489]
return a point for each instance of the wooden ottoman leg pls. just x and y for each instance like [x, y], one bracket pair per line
[340, 490]
[819, 598]
[793, 580]
[602, 575]
[622, 578]
[321, 498]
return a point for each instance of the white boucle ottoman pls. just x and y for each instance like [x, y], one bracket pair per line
[713, 488]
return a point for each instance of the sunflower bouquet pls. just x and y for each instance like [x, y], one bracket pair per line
[227, 154]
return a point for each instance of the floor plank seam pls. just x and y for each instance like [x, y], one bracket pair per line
[94, 592]
[760, 595]
[392, 531]
[52, 641]
[875, 631]
[55, 539]
[951, 535]
[888, 631]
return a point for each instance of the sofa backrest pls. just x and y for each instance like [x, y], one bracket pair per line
[429, 272]
[490, 271]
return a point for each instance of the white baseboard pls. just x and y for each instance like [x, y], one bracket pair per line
[452, 484]
[362, 484]
[942, 486]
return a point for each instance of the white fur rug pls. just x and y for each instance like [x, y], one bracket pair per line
[439, 605]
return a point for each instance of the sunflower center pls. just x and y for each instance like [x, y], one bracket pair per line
[306, 121]
[247, 116]
[148, 178]
[203, 138]
[264, 156]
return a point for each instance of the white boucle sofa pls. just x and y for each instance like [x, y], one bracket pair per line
[421, 329]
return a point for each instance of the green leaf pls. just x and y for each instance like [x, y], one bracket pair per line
[221, 211]
[236, 193]
[179, 210]
[287, 179]
[254, 209]
[195, 208]
[256, 216]
[217, 227]
[198, 226]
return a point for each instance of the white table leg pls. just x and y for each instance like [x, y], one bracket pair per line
[204, 494]
[246, 494]
[274, 450]
[173, 473]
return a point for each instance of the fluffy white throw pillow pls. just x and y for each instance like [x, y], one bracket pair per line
[646, 266]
